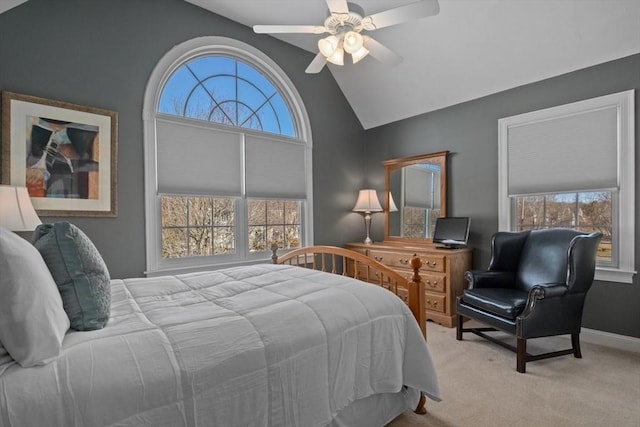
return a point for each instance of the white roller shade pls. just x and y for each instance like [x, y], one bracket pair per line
[436, 190]
[198, 160]
[571, 153]
[418, 187]
[275, 168]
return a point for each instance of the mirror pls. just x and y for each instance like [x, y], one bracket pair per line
[416, 194]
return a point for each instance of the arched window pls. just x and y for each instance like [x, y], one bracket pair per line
[226, 90]
[228, 158]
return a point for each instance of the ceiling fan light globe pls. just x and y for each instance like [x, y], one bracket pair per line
[359, 54]
[328, 45]
[352, 42]
[337, 57]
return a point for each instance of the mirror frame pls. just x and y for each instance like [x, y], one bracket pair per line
[439, 158]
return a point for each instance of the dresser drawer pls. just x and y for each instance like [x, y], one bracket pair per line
[434, 302]
[392, 259]
[432, 262]
[434, 282]
[403, 260]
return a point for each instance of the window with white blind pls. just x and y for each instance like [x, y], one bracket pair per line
[228, 158]
[572, 166]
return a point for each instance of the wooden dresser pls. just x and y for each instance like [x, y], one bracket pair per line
[442, 272]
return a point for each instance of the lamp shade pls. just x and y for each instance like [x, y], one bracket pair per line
[328, 45]
[367, 202]
[392, 204]
[337, 57]
[352, 42]
[359, 54]
[16, 211]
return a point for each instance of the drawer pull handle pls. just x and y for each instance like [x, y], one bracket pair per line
[433, 285]
[433, 304]
[429, 264]
[378, 258]
[404, 261]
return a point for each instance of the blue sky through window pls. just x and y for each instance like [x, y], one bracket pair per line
[224, 90]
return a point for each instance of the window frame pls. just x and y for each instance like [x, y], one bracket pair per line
[172, 60]
[624, 212]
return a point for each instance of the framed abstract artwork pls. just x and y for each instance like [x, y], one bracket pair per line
[65, 154]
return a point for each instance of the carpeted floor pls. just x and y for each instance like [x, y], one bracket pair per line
[480, 386]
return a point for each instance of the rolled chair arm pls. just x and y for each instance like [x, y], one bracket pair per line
[541, 292]
[550, 290]
[489, 279]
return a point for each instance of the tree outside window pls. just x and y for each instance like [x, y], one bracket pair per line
[586, 211]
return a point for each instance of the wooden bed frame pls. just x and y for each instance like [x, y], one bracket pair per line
[346, 262]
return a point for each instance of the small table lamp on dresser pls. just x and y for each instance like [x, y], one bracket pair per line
[367, 203]
[16, 211]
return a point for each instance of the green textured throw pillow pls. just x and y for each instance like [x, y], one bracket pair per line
[80, 273]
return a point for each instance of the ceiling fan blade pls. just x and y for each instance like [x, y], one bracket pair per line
[311, 29]
[338, 6]
[317, 64]
[387, 18]
[381, 52]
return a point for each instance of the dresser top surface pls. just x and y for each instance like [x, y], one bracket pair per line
[408, 246]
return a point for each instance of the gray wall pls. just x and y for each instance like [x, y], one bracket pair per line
[100, 53]
[470, 132]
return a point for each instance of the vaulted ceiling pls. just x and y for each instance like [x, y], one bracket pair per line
[472, 48]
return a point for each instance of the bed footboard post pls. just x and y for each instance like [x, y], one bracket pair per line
[416, 294]
[274, 254]
[421, 407]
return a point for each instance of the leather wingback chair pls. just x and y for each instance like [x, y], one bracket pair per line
[535, 287]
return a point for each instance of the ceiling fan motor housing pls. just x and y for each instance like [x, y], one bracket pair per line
[341, 23]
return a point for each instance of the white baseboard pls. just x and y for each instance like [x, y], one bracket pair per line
[620, 342]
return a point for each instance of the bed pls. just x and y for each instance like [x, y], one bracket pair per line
[261, 345]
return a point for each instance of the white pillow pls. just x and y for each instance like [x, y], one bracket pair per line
[32, 320]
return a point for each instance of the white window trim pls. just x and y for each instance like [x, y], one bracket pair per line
[624, 102]
[168, 63]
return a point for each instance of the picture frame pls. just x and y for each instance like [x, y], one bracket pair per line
[65, 154]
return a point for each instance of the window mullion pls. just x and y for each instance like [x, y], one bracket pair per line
[577, 223]
[188, 229]
[237, 122]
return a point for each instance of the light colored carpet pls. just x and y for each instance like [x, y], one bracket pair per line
[480, 386]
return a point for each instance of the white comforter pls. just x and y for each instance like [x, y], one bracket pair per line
[266, 345]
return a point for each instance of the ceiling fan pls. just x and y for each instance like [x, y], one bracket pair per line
[346, 23]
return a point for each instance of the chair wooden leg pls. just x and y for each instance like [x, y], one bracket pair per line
[459, 324]
[575, 343]
[521, 355]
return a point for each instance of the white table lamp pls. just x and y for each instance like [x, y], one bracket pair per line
[16, 211]
[367, 203]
